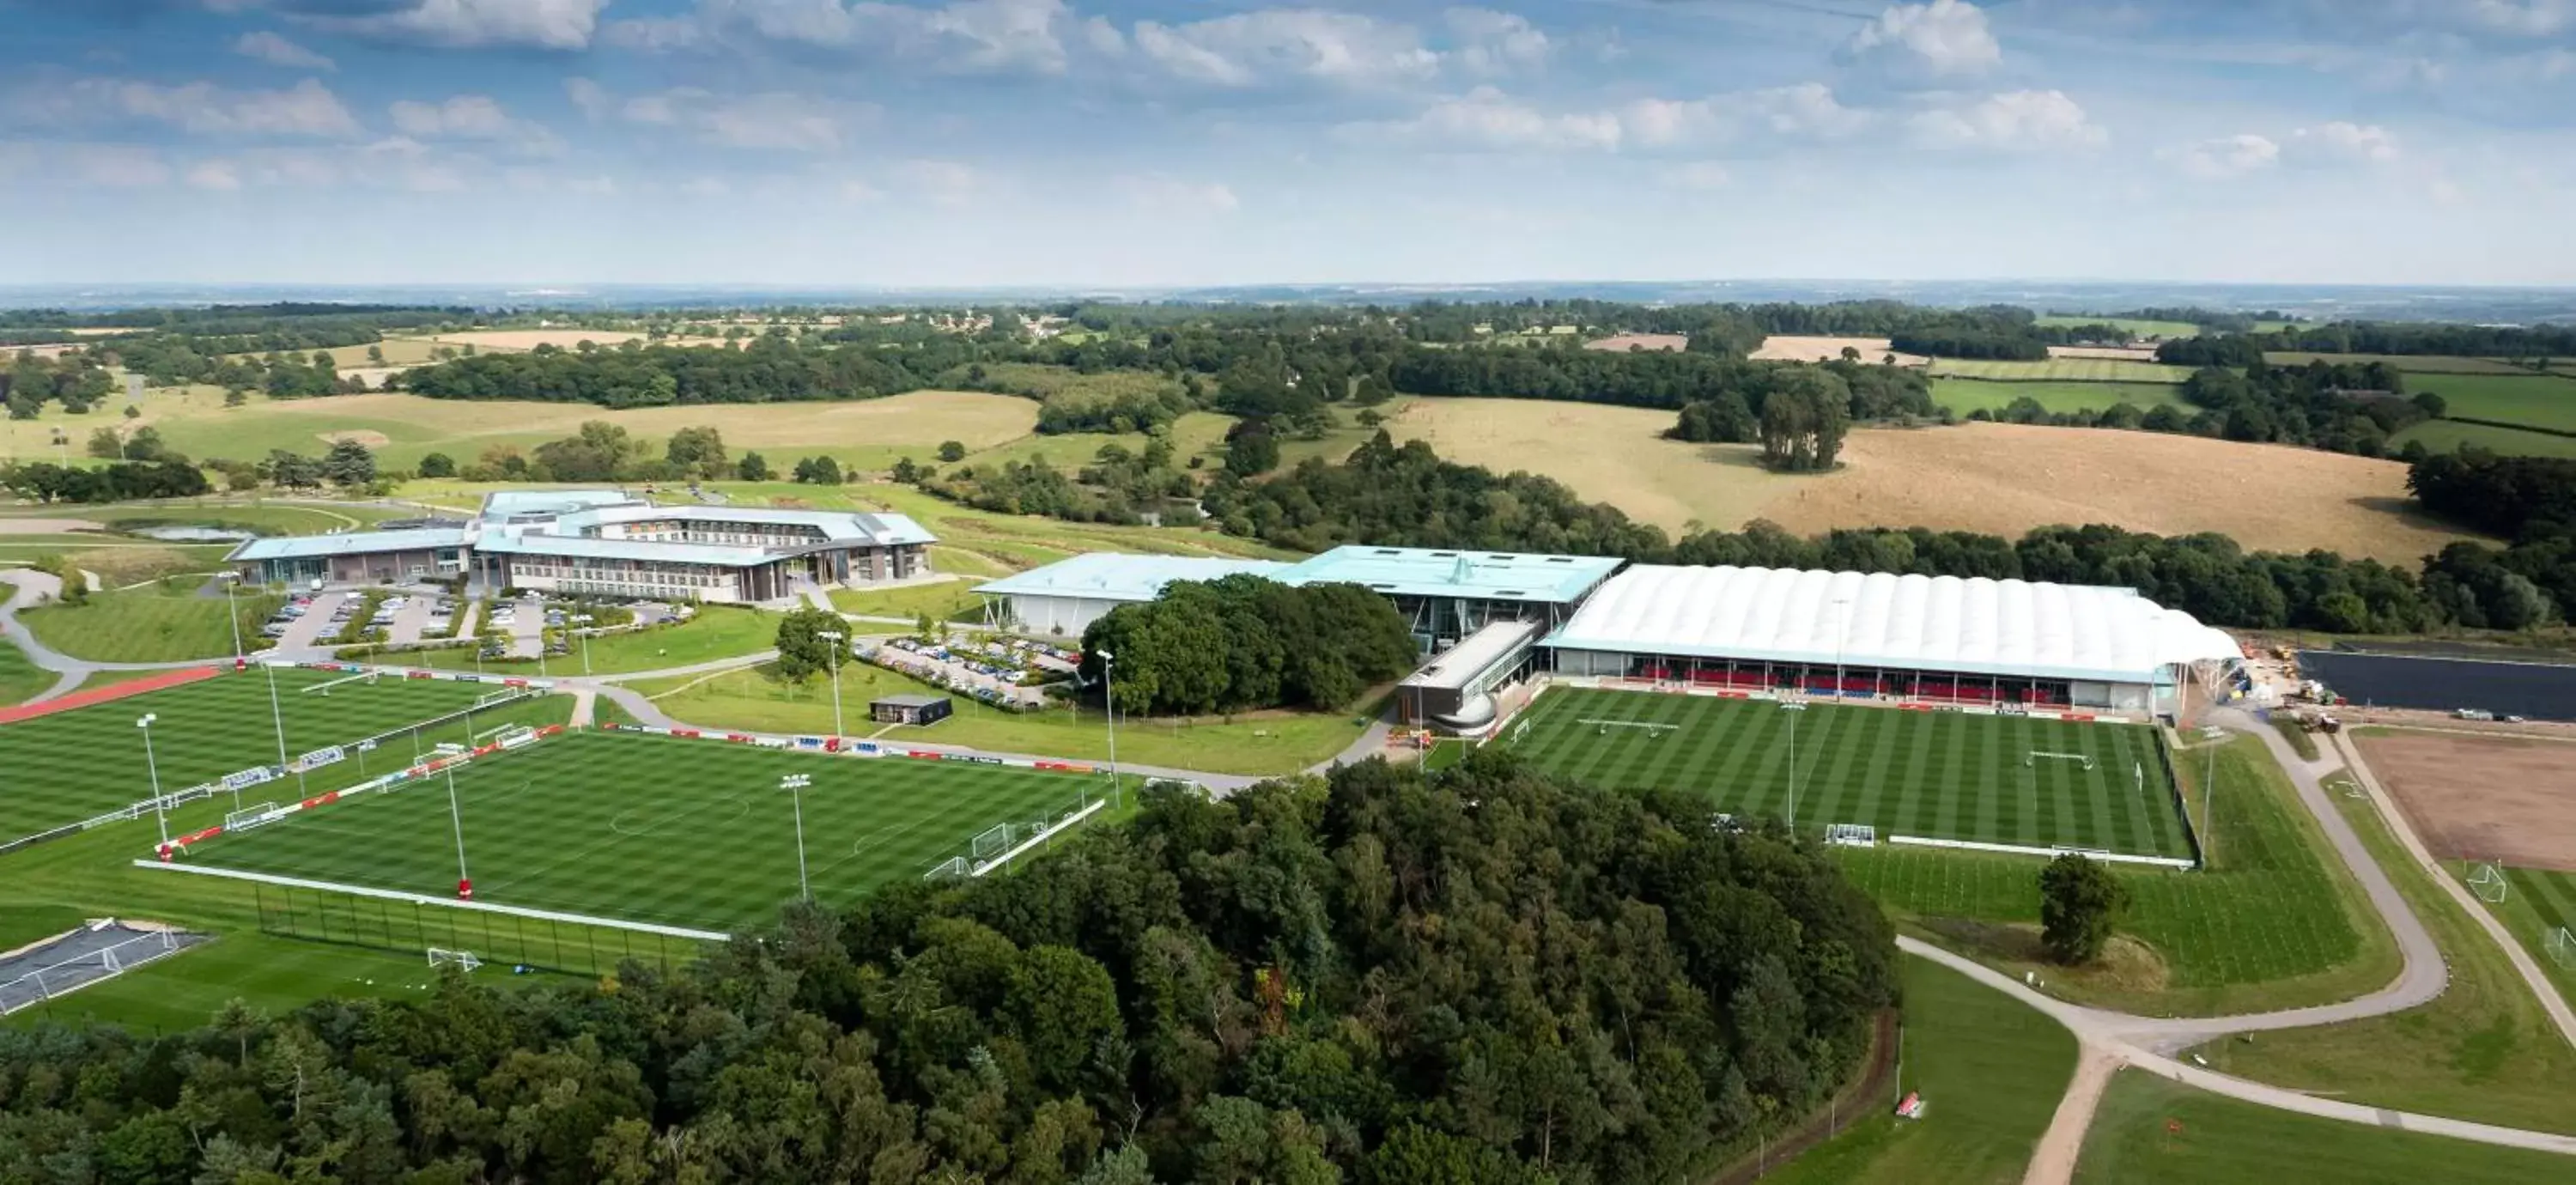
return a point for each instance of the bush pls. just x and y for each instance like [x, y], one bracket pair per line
[2080, 904]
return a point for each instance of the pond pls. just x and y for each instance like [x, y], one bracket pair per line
[186, 534]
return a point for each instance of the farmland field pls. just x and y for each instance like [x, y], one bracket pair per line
[1969, 395]
[1783, 347]
[68, 767]
[2148, 1129]
[2536, 400]
[2444, 436]
[676, 832]
[2063, 370]
[1941, 775]
[1999, 478]
[2409, 363]
[2267, 924]
[2138, 326]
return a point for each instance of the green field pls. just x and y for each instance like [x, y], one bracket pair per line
[2151, 1130]
[2483, 1050]
[946, 600]
[2138, 326]
[678, 832]
[1969, 395]
[718, 631]
[1266, 743]
[2268, 924]
[2538, 902]
[165, 622]
[19, 675]
[62, 769]
[2444, 436]
[1992, 1070]
[2061, 370]
[1941, 775]
[2534, 400]
[2411, 364]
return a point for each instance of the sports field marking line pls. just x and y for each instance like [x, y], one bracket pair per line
[545, 870]
[617, 823]
[446, 902]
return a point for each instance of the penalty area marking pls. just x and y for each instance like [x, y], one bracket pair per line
[621, 825]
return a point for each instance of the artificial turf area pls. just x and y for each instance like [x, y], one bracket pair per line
[678, 832]
[1941, 775]
[59, 770]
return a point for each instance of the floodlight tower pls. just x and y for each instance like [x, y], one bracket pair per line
[584, 619]
[835, 637]
[160, 806]
[233, 615]
[1109, 708]
[456, 820]
[794, 785]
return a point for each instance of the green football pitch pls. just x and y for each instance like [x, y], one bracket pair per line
[677, 832]
[1939, 775]
[59, 770]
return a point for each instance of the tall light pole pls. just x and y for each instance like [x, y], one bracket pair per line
[160, 806]
[1109, 708]
[456, 819]
[1794, 710]
[1842, 625]
[583, 620]
[794, 785]
[233, 614]
[835, 637]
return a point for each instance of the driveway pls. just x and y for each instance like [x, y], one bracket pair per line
[412, 619]
[306, 632]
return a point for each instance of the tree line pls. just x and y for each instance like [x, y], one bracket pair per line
[1242, 642]
[1404, 495]
[1380, 976]
[2530, 501]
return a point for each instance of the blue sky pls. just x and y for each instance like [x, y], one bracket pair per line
[1145, 142]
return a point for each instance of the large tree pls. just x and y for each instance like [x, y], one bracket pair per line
[802, 650]
[1803, 421]
[2080, 903]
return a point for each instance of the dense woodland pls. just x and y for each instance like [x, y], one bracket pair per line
[1383, 977]
[1393, 495]
[1243, 642]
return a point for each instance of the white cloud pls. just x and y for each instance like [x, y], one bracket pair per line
[771, 121]
[122, 166]
[1806, 111]
[462, 24]
[278, 51]
[1103, 37]
[1159, 194]
[1492, 42]
[1944, 38]
[590, 97]
[973, 35]
[2531, 18]
[222, 175]
[2339, 142]
[944, 182]
[1270, 45]
[2014, 121]
[472, 117]
[1487, 119]
[306, 109]
[2224, 157]
[855, 190]
[1699, 175]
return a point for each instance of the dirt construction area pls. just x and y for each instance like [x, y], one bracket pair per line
[2483, 798]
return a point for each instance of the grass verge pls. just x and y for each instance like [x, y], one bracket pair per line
[1992, 1070]
[2149, 1129]
[165, 622]
[2484, 1050]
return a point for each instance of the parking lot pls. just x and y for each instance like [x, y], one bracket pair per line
[309, 620]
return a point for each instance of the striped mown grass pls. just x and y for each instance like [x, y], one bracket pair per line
[1941, 775]
[2538, 903]
[677, 832]
[58, 770]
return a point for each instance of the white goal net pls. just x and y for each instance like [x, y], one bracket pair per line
[994, 841]
[1648, 727]
[2561, 947]
[953, 866]
[460, 959]
[1852, 835]
[2034, 757]
[252, 816]
[2488, 882]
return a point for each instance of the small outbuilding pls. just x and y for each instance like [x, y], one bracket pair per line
[911, 709]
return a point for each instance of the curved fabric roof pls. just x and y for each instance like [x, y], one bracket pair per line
[1940, 623]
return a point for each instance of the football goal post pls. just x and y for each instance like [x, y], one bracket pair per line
[2561, 947]
[461, 959]
[953, 866]
[994, 841]
[2032, 759]
[2487, 881]
[1652, 730]
[1852, 835]
[249, 817]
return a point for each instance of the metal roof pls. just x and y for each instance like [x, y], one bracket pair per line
[349, 543]
[506, 504]
[1474, 655]
[1110, 576]
[1941, 623]
[539, 543]
[909, 700]
[1459, 573]
[892, 529]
